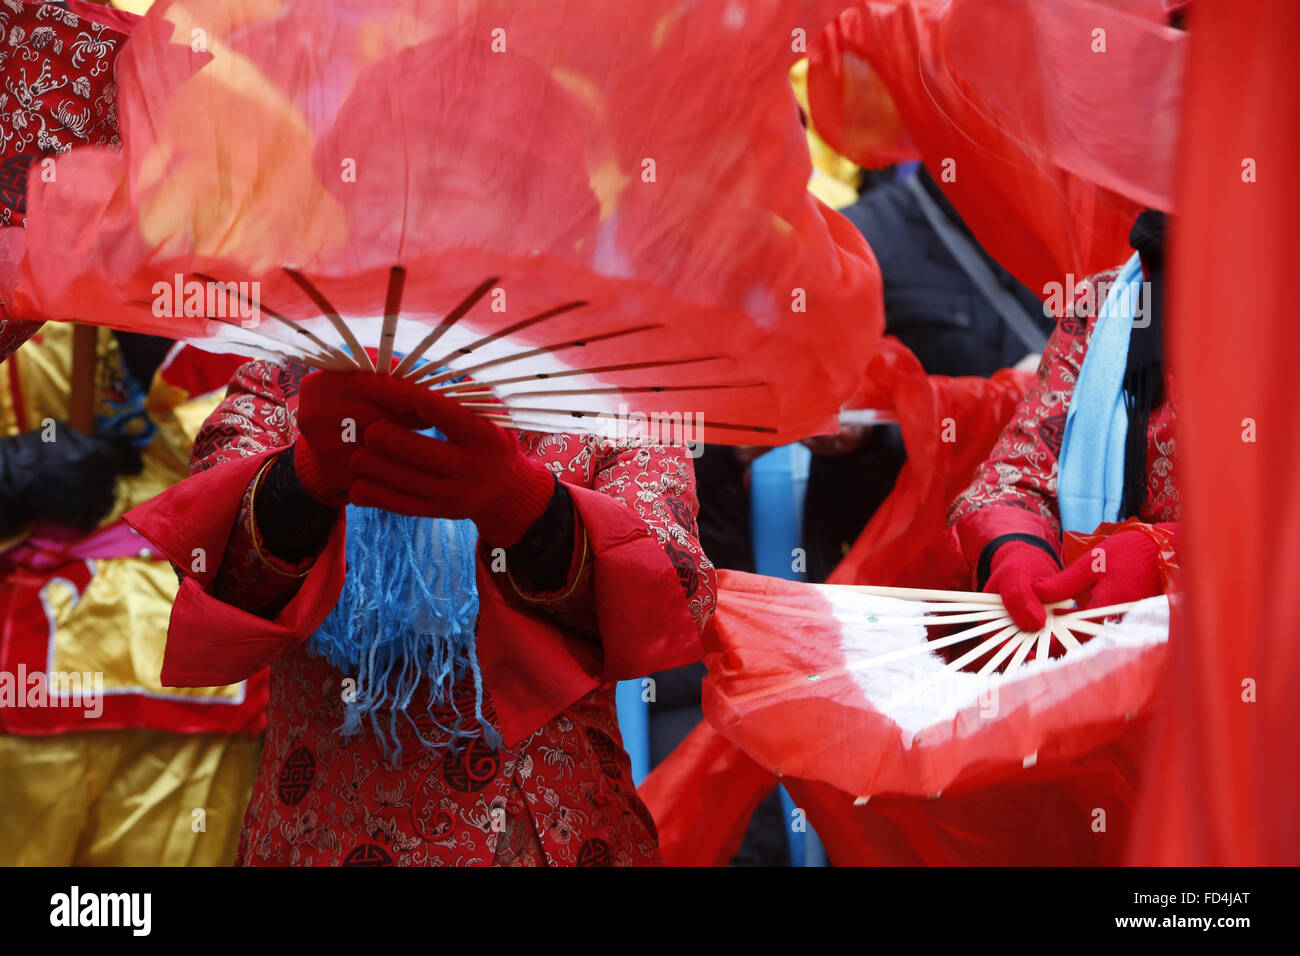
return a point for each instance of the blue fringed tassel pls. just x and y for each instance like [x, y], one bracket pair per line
[406, 616]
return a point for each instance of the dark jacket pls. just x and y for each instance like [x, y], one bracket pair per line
[936, 310]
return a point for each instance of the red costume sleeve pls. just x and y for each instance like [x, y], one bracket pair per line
[652, 588]
[254, 417]
[202, 525]
[1014, 491]
[642, 584]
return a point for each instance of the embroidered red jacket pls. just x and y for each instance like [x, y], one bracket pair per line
[14, 333]
[640, 591]
[59, 92]
[1014, 491]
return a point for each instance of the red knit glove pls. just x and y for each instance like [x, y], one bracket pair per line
[1121, 569]
[334, 411]
[1016, 566]
[479, 472]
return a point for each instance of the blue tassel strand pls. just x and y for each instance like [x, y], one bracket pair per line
[406, 617]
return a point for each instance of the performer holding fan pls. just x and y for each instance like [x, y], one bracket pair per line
[1092, 443]
[475, 701]
[439, 219]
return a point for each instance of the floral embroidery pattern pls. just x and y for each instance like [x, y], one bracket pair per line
[58, 87]
[1022, 470]
[58, 92]
[564, 796]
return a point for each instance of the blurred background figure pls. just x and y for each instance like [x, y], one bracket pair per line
[955, 308]
[130, 773]
[959, 312]
[107, 767]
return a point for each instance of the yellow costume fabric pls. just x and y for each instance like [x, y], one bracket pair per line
[128, 795]
[117, 624]
[834, 179]
[124, 798]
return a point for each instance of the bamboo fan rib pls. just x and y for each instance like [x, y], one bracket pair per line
[990, 627]
[332, 358]
[509, 330]
[330, 313]
[1009, 644]
[452, 387]
[392, 310]
[431, 379]
[459, 373]
[441, 329]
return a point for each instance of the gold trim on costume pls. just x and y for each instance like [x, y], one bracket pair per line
[555, 599]
[275, 565]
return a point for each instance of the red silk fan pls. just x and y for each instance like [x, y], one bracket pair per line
[595, 211]
[1049, 125]
[845, 685]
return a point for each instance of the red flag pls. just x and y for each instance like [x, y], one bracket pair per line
[1224, 771]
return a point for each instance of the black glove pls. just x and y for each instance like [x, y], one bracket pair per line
[69, 479]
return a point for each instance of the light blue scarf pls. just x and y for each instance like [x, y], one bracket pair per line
[1090, 479]
[406, 617]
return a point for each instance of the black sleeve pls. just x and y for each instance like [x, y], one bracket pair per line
[542, 556]
[68, 478]
[293, 525]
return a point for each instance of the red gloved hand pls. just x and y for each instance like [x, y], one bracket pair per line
[1016, 566]
[1121, 569]
[479, 472]
[334, 411]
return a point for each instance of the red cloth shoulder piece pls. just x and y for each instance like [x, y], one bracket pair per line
[210, 642]
[533, 670]
[644, 623]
